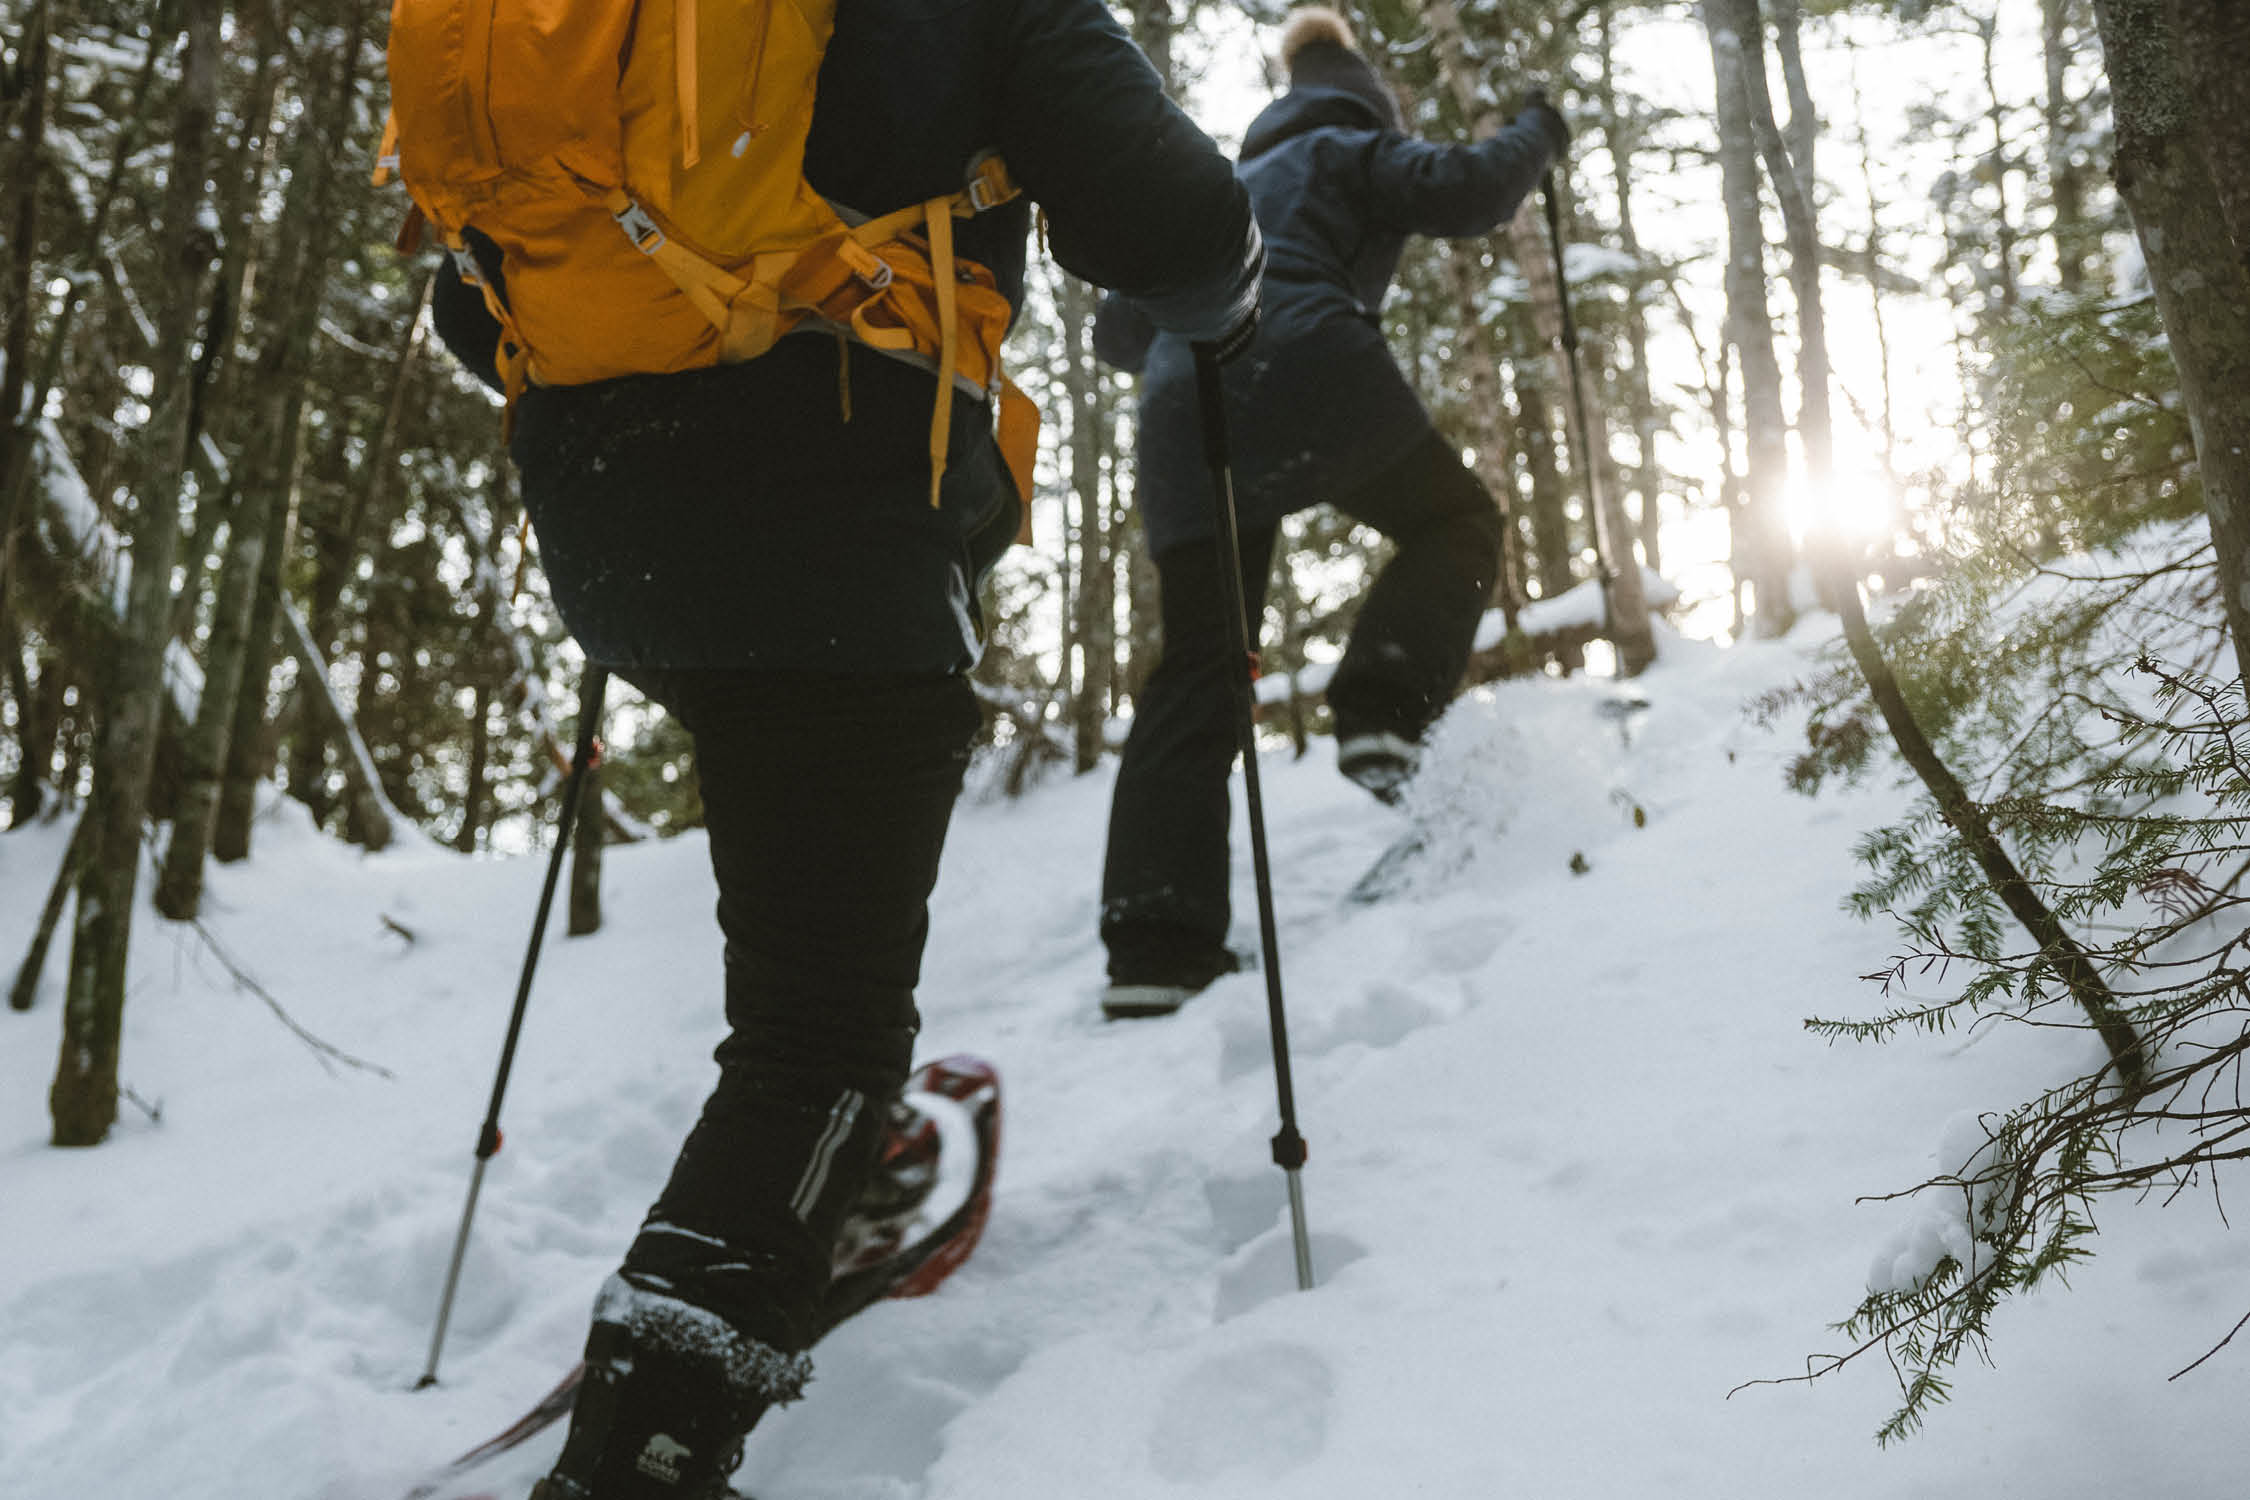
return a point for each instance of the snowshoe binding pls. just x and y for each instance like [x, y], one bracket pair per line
[917, 1220]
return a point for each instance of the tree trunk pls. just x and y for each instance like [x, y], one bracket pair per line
[1552, 546]
[18, 295]
[1094, 619]
[24, 992]
[2077, 243]
[248, 760]
[15, 478]
[336, 554]
[179, 884]
[1968, 820]
[372, 813]
[1792, 185]
[1640, 394]
[1873, 262]
[586, 856]
[83, 1100]
[1153, 28]
[39, 720]
[1488, 410]
[238, 658]
[1750, 324]
[479, 790]
[2212, 42]
[2202, 287]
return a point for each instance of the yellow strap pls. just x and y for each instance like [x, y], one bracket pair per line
[712, 290]
[989, 186]
[684, 54]
[941, 271]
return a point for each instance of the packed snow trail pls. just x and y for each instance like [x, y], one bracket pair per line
[1576, 1169]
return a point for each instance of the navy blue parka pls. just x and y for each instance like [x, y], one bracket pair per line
[734, 517]
[1317, 407]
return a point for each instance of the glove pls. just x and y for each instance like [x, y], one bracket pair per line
[1232, 344]
[1537, 109]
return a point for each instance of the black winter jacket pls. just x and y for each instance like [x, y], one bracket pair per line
[1317, 406]
[732, 517]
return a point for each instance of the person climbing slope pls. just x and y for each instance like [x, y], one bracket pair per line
[1319, 413]
[784, 550]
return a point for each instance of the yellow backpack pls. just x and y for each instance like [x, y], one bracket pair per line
[640, 165]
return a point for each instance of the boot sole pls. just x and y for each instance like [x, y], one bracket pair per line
[1128, 1002]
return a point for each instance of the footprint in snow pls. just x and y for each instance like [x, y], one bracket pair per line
[1381, 1015]
[1263, 1409]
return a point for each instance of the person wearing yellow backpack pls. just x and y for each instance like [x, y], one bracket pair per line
[774, 521]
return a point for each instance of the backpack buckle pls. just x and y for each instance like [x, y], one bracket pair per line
[868, 269]
[642, 230]
[989, 184]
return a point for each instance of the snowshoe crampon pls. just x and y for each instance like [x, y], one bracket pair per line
[919, 1217]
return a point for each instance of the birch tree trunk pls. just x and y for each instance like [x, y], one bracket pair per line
[2202, 287]
[83, 1099]
[1765, 528]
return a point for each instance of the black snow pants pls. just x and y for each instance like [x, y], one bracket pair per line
[826, 799]
[1164, 884]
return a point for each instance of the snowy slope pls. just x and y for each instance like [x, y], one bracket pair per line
[1576, 1170]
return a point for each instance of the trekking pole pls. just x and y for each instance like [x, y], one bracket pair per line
[591, 690]
[1580, 425]
[1288, 1145]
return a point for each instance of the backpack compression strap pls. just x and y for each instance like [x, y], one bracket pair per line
[749, 313]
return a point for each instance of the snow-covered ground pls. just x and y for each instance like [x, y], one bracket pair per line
[1576, 1169]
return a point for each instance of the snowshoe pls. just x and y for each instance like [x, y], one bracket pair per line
[916, 1222]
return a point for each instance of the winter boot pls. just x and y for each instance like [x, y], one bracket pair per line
[1142, 987]
[1381, 762]
[670, 1393]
